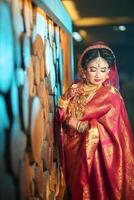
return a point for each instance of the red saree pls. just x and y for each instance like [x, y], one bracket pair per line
[99, 164]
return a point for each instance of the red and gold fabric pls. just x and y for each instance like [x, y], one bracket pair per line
[99, 163]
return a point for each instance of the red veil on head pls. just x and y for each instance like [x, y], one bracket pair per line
[113, 79]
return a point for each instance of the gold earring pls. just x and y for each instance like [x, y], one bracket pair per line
[84, 76]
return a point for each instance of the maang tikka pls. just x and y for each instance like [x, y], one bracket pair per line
[98, 59]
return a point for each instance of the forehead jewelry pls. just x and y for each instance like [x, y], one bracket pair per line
[98, 59]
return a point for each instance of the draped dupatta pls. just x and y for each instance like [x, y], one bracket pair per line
[99, 164]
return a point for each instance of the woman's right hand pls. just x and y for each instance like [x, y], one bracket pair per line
[74, 90]
[80, 126]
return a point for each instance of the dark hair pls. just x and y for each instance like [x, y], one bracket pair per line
[94, 53]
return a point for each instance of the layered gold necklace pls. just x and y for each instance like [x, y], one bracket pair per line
[79, 102]
[89, 88]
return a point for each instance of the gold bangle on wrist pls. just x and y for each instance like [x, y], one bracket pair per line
[82, 127]
[78, 125]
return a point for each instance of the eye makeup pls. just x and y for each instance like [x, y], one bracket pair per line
[93, 69]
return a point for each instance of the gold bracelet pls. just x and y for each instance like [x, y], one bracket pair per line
[82, 127]
[78, 125]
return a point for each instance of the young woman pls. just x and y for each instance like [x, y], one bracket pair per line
[95, 139]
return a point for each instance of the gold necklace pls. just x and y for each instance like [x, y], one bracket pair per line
[90, 88]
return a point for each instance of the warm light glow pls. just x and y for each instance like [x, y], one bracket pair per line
[71, 9]
[83, 33]
[96, 21]
[93, 21]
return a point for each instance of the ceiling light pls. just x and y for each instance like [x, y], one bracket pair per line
[77, 36]
[119, 28]
[122, 28]
[115, 28]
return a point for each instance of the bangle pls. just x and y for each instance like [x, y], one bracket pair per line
[78, 125]
[82, 127]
